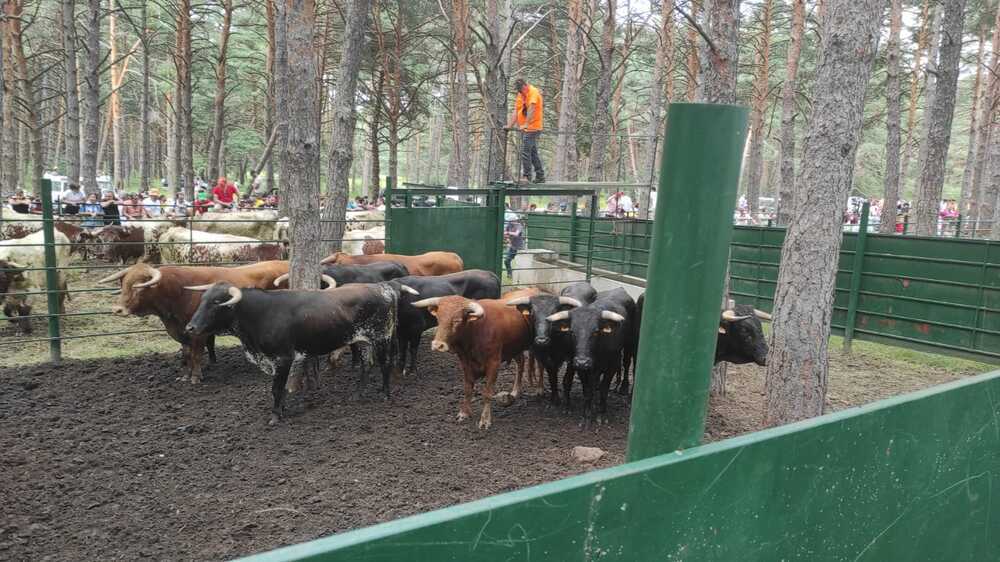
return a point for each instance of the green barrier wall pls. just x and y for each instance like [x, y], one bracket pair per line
[909, 478]
[934, 294]
[425, 229]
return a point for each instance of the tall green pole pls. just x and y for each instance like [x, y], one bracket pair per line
[51, 273]
[692, 230]
[855, 289]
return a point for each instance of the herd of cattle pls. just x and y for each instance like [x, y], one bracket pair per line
[247, 236]
[380, 305]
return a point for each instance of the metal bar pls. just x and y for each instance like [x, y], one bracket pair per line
[51, 275]
[855, 287]
[958, 226]
[572, 230]
[501, 199]
[590, 235]
[699, 175]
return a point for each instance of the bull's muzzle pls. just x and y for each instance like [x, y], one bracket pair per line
[438, 345]
[119, 310]
[542, 341]
[583, 364]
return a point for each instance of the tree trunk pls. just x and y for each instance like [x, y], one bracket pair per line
[940, 116]
[930, 89]
[265, 157]
[967, 203]
[219, 102]
[458, 167]
[270, 111]
[911, 113]
[663, 67]
[30, 110]
[144, 149]
[342, 128]
[758, 105]
[803, 304]
[892, 124]
[437, 134]
[600, 137]
[988, 117]
[993, 187]
[720, 64]
[184, 79]
[498, 28]
[72, 94]
[564, 153]
[91, 97]
[173, 144]
[300, 146]
[693, 61]
[114, 111]
[789, 111]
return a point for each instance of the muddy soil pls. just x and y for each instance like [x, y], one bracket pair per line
[111, 459]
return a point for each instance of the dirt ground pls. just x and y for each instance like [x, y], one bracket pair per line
[105, 457]
[113, 460]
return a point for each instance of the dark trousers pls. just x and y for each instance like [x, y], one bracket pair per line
[529, 156]
[508, 260]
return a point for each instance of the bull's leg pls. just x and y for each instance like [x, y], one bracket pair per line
[210, 344]
[195, 349]
[24, 324]
[539, 371]
[553, 372]
[602, 409]
[588, 378]
[281, 368]
[468, 381]
[516, 391]
[568, 385]
[363, 376]
[356, 356]
[185, 363]
[383, 357]
[414, 346]
[486, 419]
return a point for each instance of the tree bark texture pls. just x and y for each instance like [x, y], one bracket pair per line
[923, 36]
[720, 61]
[663, 67]
[91, 97]
[217, 134]
[498, 29]
[114, 111]
[269, 116]
[967, 203]
[940, 116]
[182, 102]
[144, 153]
[758, 106]
[601, 130]
[892, 121]
[458, 167]
[341, 152]
[564, 153]
[789, 112]
[693, 57]
[988, 117]
[930, 91]
[72, 93]
[798, 363]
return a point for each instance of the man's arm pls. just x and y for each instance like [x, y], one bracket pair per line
[531, 112]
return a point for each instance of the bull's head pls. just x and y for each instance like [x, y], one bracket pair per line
[215, 312]
[538, 309]
[136, 283]
[336, 257]
[741, 336]
[11, 274]
[587, 325]
[454, 315]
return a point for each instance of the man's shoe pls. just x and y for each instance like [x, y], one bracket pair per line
[524, 179]
[540, 180]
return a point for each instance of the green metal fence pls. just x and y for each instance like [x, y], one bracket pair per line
[936, 294]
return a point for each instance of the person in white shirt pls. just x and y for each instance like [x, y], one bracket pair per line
[152, 203]
[625, 205]
[71, 199]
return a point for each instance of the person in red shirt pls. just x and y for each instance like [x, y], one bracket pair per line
[225, 195]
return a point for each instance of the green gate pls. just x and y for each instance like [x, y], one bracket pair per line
[414, 229]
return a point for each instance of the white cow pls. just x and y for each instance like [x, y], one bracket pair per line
[260, 224]
[27, 252]
[354, 240]
[18, 225]
[365, 220]
[212, 247]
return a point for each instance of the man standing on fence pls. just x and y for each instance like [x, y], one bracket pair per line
[528, 118]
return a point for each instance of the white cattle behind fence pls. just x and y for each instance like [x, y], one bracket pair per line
[181, 245]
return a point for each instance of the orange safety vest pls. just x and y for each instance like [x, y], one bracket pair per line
[521, 104]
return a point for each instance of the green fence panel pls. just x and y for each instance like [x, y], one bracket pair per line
[909, 478]
[424, 229]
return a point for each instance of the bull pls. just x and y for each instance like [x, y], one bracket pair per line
[741, 336]
[413, 321]
[16, 289]
[549, 347]
[483, 334]
[430, 263]
[341, 274]
[146, 291]
[119, 243]
[276, 328]
[600, 332]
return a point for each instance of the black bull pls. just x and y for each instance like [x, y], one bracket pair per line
[278, 327]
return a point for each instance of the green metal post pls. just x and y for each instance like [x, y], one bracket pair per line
[501, 198]
[691, 234]
[906, 223]
[51, 274]
[590, 234]
[958, 227]
[855, 288]
[572, 230]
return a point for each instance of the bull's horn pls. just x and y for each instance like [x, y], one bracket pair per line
[730, 316]
[156, 276]
[200, 287]
[519, 301]
[236, 294]
[762, 315]
[279, 279]
[331, 283]
[114, 277]
[433, 301]
[475, 309]
[16, 265]
[730, 304]
[612, 316]
[116, 292]
[570, 301]
[332, 258]
[408, 289]
[559, 316]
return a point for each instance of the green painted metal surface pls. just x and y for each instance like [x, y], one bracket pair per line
[857, 269]
[472, 232]
[51, 273]
[702, 155]
[909, 478]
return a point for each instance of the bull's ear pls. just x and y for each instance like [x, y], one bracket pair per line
[433, 309]
[607, 328]
[722, 329]
[564, 327]
[524, 309]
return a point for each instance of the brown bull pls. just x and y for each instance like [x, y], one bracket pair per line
[431, 263]
[146, 290]
[483, 333]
